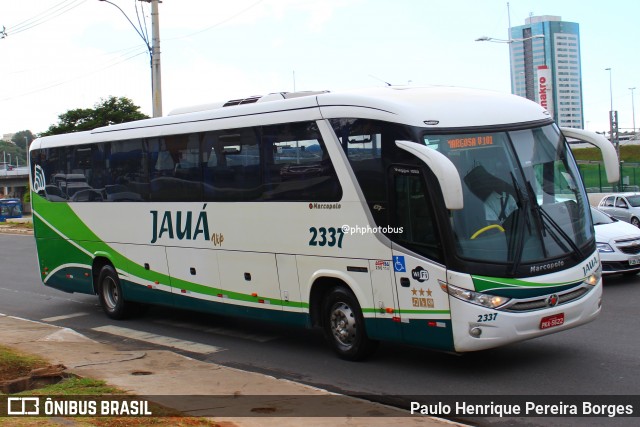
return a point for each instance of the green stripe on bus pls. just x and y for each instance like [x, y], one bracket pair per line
[64, 222]
[484, 283]
[424, 311]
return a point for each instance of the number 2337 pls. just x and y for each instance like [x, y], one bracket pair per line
[487, 317]
[326, 236]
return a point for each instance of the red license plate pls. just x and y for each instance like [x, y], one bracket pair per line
[552, 321]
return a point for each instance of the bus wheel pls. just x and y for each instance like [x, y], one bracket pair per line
[344, 326]
[110, 294]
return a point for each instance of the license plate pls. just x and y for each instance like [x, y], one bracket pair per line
[634, 261]
[552, 321]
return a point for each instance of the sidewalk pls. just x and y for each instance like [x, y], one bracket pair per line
[168, 375]
[15, 225]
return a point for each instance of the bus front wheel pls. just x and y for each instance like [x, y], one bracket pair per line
[110, 294]
[343, 325]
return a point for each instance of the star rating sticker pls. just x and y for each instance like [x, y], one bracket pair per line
[414, 291]
[421, 292]
[428, 292]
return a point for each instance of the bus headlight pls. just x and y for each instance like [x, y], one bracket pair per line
[594, 277]
[485, 300]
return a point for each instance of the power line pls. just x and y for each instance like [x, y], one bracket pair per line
[144, 27]
[26, 21]
[224, 21]
[76, 77]
[84, 60]
[45, 16]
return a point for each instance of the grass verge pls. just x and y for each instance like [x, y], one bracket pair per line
[14, 364]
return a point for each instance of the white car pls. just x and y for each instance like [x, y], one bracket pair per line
[625, 207]
[618, 243]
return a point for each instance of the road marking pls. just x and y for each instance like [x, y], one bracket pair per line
[67, 316]
[218, 330]
[159, 339]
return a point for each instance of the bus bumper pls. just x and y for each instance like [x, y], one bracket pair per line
[478, 328]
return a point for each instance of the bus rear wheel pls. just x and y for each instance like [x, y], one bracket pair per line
[343, 325]
[110, 294]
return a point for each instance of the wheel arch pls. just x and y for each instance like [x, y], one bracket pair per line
[100, 260]
[322, 283]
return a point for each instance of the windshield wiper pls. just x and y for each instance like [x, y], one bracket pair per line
[523, 204]
[554, 226]
[561, 232]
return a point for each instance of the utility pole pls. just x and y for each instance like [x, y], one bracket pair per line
[156, 78]
[154, 53]
[633, 112]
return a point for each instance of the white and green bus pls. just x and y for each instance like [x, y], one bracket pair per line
[447, 218]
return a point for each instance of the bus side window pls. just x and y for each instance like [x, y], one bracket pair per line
[297, 165]
[234, 173]
[362, 142]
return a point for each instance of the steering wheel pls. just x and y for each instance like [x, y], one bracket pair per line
[487, 228]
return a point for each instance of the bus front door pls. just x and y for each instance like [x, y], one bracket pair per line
[425, 315]
[424, 307]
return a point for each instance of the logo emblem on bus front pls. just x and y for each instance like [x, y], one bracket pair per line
[552, 301]
[39, 181]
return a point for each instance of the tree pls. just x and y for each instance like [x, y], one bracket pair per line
[108, 111]
[19, 138]
[11, 153]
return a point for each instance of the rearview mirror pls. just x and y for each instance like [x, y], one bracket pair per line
[444, 170]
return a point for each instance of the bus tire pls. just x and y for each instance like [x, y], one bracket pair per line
[110, 294]
[344, 327]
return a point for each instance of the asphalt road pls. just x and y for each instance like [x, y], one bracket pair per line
[600, 358]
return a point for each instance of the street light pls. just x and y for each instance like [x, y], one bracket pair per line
[612, 137]
[154, 54]
[633, 112]
[613, 126]
[610, 88]
[514, 78]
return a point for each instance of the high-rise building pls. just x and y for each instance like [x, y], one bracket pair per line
[545, 67]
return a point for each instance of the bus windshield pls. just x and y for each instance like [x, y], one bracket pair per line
[523, 200]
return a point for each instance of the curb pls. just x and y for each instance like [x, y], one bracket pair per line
[199, 388]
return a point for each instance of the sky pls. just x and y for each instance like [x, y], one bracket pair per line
[60, 55]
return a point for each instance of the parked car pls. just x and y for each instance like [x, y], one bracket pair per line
[618, 244]
[52, 193]
[87, 195]
[625, 207]
[120, 193]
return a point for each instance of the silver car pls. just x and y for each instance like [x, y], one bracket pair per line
[625, 207]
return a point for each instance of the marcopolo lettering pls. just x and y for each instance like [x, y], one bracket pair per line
[180, 225]
[325, 206]
[546, 267]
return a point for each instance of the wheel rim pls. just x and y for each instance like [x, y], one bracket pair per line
[343, 324]
[110, 293]
[635, 222]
